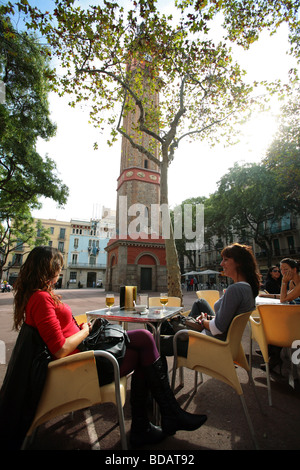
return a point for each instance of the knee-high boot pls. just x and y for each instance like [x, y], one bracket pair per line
[173, 418]
[142, 431]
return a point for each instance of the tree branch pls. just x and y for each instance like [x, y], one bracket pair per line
[136, 99]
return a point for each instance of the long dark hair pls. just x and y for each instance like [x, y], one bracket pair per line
[293, 263]
[42, 264]
[269, 274]
[246, 264]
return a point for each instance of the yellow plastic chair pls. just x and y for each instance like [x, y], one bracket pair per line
[217, 358]
[172, 302]
[81, 318]
[278, 325]
[72, 384]
[210, 295]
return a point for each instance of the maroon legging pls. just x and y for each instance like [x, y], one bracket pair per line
[141, 352]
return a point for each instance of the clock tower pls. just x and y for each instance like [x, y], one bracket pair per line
[136, 256]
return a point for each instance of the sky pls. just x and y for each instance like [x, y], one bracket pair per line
[91, 175]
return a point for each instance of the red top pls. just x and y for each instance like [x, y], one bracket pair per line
[54, 322]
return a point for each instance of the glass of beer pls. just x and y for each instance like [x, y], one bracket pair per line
[110, 300]
[163, 300]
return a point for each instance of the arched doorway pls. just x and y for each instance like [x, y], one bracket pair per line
[147, 267]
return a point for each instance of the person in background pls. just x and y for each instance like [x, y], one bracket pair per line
[273, 283]
[37, 304]
[289, 293]
[290, 285]
[273, 280]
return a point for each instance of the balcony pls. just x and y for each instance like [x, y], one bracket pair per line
[282, 252]
[86, 266]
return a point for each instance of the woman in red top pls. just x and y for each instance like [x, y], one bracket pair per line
[37, 304]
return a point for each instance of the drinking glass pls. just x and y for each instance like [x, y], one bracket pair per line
[110, 300]
[163, 300]
[144, 301]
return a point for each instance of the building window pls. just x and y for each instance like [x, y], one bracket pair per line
[62, 233]
[17, 260]
[74, 259]
[76, 241]
[73, 276]
[61, 246]
[291, 245]
[276, 247]
[93, 260]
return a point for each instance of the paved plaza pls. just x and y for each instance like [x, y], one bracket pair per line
[278, 428]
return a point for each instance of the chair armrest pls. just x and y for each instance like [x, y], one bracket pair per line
[114, 362]
[74, 360]
[202, 348]
[197, 335]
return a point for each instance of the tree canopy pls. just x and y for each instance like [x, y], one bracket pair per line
[283, 155]
[25, 175]
[107, 51]
[24, 117]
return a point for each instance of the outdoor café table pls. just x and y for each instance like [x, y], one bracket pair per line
[153, 317]
[267, 301]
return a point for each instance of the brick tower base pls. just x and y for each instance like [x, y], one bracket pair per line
[140, 263]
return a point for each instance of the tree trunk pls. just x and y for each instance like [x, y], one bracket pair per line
[173, 269]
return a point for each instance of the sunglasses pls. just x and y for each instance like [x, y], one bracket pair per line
[275, 271]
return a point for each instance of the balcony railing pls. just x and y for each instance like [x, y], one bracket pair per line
[86, 266]
[281, 252]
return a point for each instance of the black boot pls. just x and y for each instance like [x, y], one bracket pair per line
[142, 431]
[274, 358]
[173, 418]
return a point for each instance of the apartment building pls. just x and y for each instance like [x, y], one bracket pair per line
[284, 236]
[87, 255]
[82, 244]
[59, 233]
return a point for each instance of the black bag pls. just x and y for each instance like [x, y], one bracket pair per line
[168, 330]
[170, 327]
[108, 337]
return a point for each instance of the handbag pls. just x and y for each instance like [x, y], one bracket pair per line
[170, 327]
[180, 322]
[108, 337]
[168, 330]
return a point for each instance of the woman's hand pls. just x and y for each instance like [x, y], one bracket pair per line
[86, 327]
[194, 324]
[287, 276]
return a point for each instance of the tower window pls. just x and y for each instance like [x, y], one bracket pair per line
[145, 163]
